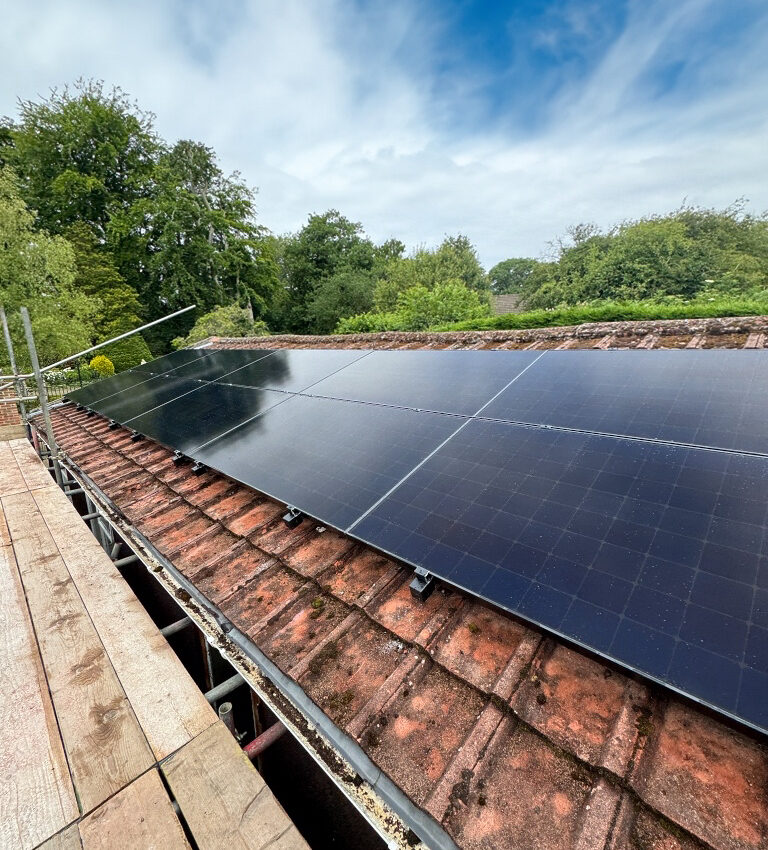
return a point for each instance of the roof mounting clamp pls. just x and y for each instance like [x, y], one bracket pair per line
[179, 458]
[91, 413]
[422, 585]
[136, 436]
[113, 424]
[78, 406]
[197, 468]
[293, 517]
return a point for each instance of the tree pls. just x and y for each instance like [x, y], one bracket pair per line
[81, 154]
[97, 276]
[345, 293]
[454, 260]
[230, 321]
[511, 276]
[419, 308]
[327, 244]
[198, 241]
[37, 270]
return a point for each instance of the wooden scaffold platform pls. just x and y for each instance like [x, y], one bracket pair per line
[101, 727]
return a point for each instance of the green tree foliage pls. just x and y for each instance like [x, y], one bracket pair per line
[419, 308]
[98, 277]
[230, 321]
[197, 235]
[454, 260]
[38, 270]
[82, 153]
[345, 293]
[682, 256]
[179, 231]
[511, 276]
[327, 245]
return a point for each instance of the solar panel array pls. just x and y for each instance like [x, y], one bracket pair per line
[618, 499]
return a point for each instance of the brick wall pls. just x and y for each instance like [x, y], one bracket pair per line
[9, 413]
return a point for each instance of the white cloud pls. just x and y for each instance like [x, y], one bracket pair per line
[321, 105]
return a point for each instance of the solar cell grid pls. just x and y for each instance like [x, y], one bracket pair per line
[612, 543]
[331, 458]
[185, 423]
[215, 364]
[694, 397]
[443, 381]
[293, 371]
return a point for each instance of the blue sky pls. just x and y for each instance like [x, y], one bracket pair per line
[507, 122]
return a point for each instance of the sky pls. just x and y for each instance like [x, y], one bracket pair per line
[506, 122]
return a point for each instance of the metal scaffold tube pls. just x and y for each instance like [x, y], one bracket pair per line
[116, 338]
[42, 394]
[18, 381]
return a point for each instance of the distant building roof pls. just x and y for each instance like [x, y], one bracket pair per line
[506, 304]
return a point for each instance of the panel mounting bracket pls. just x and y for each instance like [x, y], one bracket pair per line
[113, 424]
[179, 458]
[198, 468]
[136, 436]
[422, 585]
[293, 517]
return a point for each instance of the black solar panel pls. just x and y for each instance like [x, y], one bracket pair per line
[187, 422]
[215, 364]
[330, 458]
[564, 486]
[704, 398]
[145, 396]
[169, 362]
[293, 371]
[444, 381]
[636, 550]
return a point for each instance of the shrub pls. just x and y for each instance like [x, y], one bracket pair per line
[102, 365]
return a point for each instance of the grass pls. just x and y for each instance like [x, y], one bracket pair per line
[614, 311]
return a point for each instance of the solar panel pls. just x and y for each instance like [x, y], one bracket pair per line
[444, 381]
[331, 458]
[144, 396]
[565, 487]
[649, 554]
[215, 364]
[169, 364]
[188, 421]
[293, 371]
[91, 394]
[707, 398]
[173, 361]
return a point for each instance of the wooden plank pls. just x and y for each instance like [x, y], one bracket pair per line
[225, 802]
[141, 815]
[67, 840]
[32, 468]
[11, 479]
[104, 743]
[167, 702]
[36, 794]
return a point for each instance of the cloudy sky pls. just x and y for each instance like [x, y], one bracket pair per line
[507, 122]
